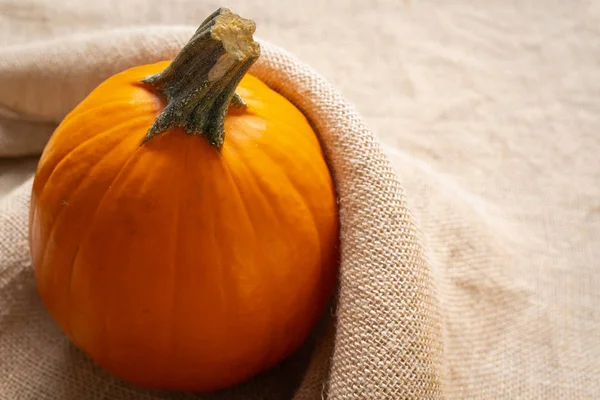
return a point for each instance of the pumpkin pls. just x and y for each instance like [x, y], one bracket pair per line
[183, 221]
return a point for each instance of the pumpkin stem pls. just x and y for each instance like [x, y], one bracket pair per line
[200, 82]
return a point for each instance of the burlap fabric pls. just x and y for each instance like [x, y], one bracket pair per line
[490, 127]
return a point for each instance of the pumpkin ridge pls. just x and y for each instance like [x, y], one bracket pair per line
[300, 156]
[176, 245]
[275, 166]
[55, 220]
[219, 264]
[81, 181]
[75, 114]
[252, 223]
[251, 174]
[83, 237]
[263, 184]
[316, 230]
[242, 200]
[84, 142]
[284, 173]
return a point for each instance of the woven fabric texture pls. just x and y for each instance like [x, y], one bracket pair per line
[470, 220]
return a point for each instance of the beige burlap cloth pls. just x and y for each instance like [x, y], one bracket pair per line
[490, 116]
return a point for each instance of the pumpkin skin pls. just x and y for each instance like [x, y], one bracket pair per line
[175, 265]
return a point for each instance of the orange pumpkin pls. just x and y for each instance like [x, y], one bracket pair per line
[184, 236]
